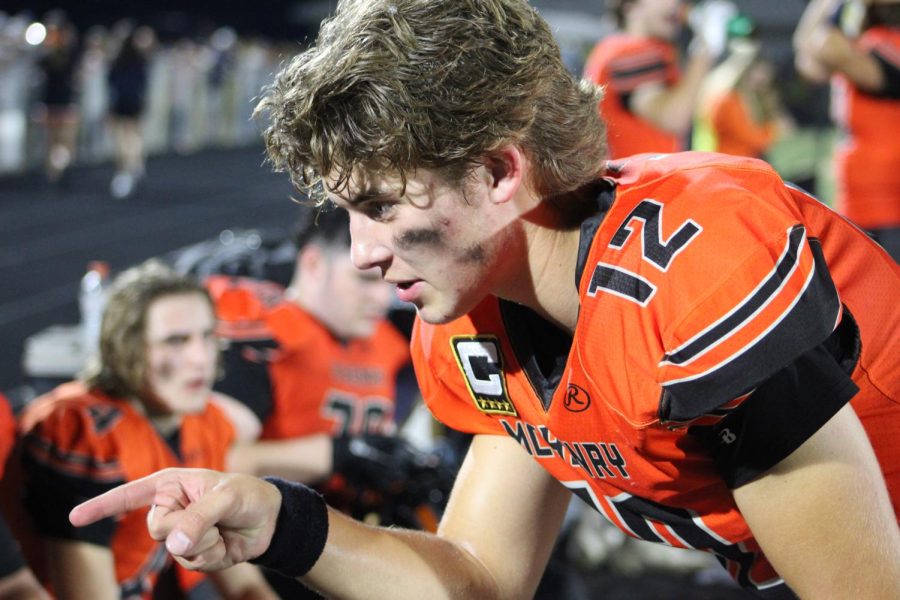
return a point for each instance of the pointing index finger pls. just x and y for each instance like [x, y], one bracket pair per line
[116, 501]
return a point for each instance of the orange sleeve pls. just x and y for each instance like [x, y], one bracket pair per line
[68, 457]
[443, 386]
[67, 441]
[773, 301]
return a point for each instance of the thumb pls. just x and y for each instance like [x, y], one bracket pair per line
[187, 527]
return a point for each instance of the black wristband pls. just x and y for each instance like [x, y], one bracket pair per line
[300, 531]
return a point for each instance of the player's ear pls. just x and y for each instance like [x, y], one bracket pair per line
[504, 169]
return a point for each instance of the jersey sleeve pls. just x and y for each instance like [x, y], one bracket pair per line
[629, 71]
[784, 411]
[68, 460]
[246, 375]
[442, 386]
[775, 302]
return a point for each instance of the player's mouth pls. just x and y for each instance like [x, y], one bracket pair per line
[409, 291]
[196, 384]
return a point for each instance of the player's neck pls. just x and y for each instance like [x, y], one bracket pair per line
[546, 284]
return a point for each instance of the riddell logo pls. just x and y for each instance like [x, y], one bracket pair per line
[577, 399]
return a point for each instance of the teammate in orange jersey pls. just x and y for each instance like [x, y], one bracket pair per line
[702, 352]
[318, 364]
[649, 103]
[865, 74]
[146, 407]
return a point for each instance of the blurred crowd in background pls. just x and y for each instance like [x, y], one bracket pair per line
[70, 96]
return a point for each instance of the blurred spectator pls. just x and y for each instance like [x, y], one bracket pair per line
[92, 76]
[252, 72]
[221, 117]
[145, 406]
[195, 96]
[862, 58]
[318, 364]
[128, 89]
[739, 111]
[649, 103]
[59, 110]
[16, 66]
[187, 76]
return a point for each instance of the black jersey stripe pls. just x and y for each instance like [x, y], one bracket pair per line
[809, 322]
[632, 72]
[741, 314]
[43, 450]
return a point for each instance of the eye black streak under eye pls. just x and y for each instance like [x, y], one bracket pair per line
[420, 237]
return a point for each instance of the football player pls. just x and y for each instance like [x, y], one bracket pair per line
[702, 352]
[146, 405]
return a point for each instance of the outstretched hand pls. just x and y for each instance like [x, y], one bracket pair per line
[208, 520]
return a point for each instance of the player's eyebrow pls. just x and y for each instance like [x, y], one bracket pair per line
[368, 195]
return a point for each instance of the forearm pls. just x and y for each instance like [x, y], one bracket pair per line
[813, 20]
[396, 563]
[494, 539]
[68, 561]
[672, 108]
[307, 459]
[824, 519]
[242, 582]
[821, 48]
[21, 585]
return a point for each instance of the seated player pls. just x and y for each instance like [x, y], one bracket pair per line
[146, 406]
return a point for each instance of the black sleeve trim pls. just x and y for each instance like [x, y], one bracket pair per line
[783, 412]
[806, 325]
[10, 554]
[247, 376]
[891, 73]
[51, 495]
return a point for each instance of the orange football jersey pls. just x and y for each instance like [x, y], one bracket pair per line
[867, 160]
[621, 63]
[79, 443]
[295, 374]
[704, 278]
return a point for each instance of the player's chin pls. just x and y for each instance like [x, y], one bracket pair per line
[192, 404]
[437, 314]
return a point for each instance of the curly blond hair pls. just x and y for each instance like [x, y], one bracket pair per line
[398, 85]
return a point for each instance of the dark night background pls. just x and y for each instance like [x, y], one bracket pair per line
[284, 19]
